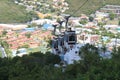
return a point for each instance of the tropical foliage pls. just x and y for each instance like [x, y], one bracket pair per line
[38, 66]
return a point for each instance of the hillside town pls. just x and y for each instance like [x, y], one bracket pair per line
[59, 40]
[100, 28]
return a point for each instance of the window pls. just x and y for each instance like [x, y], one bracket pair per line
[62, 42]
[72, 38]
[56, 44]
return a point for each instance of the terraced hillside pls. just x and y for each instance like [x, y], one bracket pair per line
[11, 13]
[89, 7]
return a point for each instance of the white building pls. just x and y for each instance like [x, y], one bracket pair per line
[111, 9]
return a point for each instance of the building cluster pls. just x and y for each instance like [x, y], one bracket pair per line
[86, 30]
[111, 9]
[60, 5]
[25, 38]
[44, 6]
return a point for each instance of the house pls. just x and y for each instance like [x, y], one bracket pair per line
[43, 21]
[47, 27]
[74, 22]
[91, 39]
[19, 52]
[84, 17]
[91, 25]
[101, 16]
[112, 27]
[1, 29]
[19, 39]
[14, 27]
[115, 9]
[42, 16]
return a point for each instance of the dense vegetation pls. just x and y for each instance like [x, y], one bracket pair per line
[90, 7]
[38, 66]
[12, 13]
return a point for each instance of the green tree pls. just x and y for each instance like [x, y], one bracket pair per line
[31, 15]
[39, 66]
[4, 32]
[24, 46]
[28, 35]
[6, 47]
[91, 18]
[83, 22]
[111, 16]
[32, 25]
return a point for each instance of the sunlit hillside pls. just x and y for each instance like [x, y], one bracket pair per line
[89, 7]
[11, 13]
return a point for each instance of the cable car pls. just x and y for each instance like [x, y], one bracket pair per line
[70, 38]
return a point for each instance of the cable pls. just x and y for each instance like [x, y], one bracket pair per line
[80, 7]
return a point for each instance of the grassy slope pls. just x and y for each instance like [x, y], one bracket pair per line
[89, 7]
[10, 12]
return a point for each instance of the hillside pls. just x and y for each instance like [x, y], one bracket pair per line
[89, 7]
[11, 13]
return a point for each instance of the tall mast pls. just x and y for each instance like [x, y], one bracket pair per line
[54, 25]
[60, 23]
[66, 24]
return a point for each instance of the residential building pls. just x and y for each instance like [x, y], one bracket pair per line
[111, 9]
[101, 16]
[20, 39]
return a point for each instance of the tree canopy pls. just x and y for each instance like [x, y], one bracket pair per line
[38, 66]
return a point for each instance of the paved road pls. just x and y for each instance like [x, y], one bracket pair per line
[3, 52]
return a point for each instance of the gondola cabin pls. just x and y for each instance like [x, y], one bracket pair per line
[70, 38]
[55, 46]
